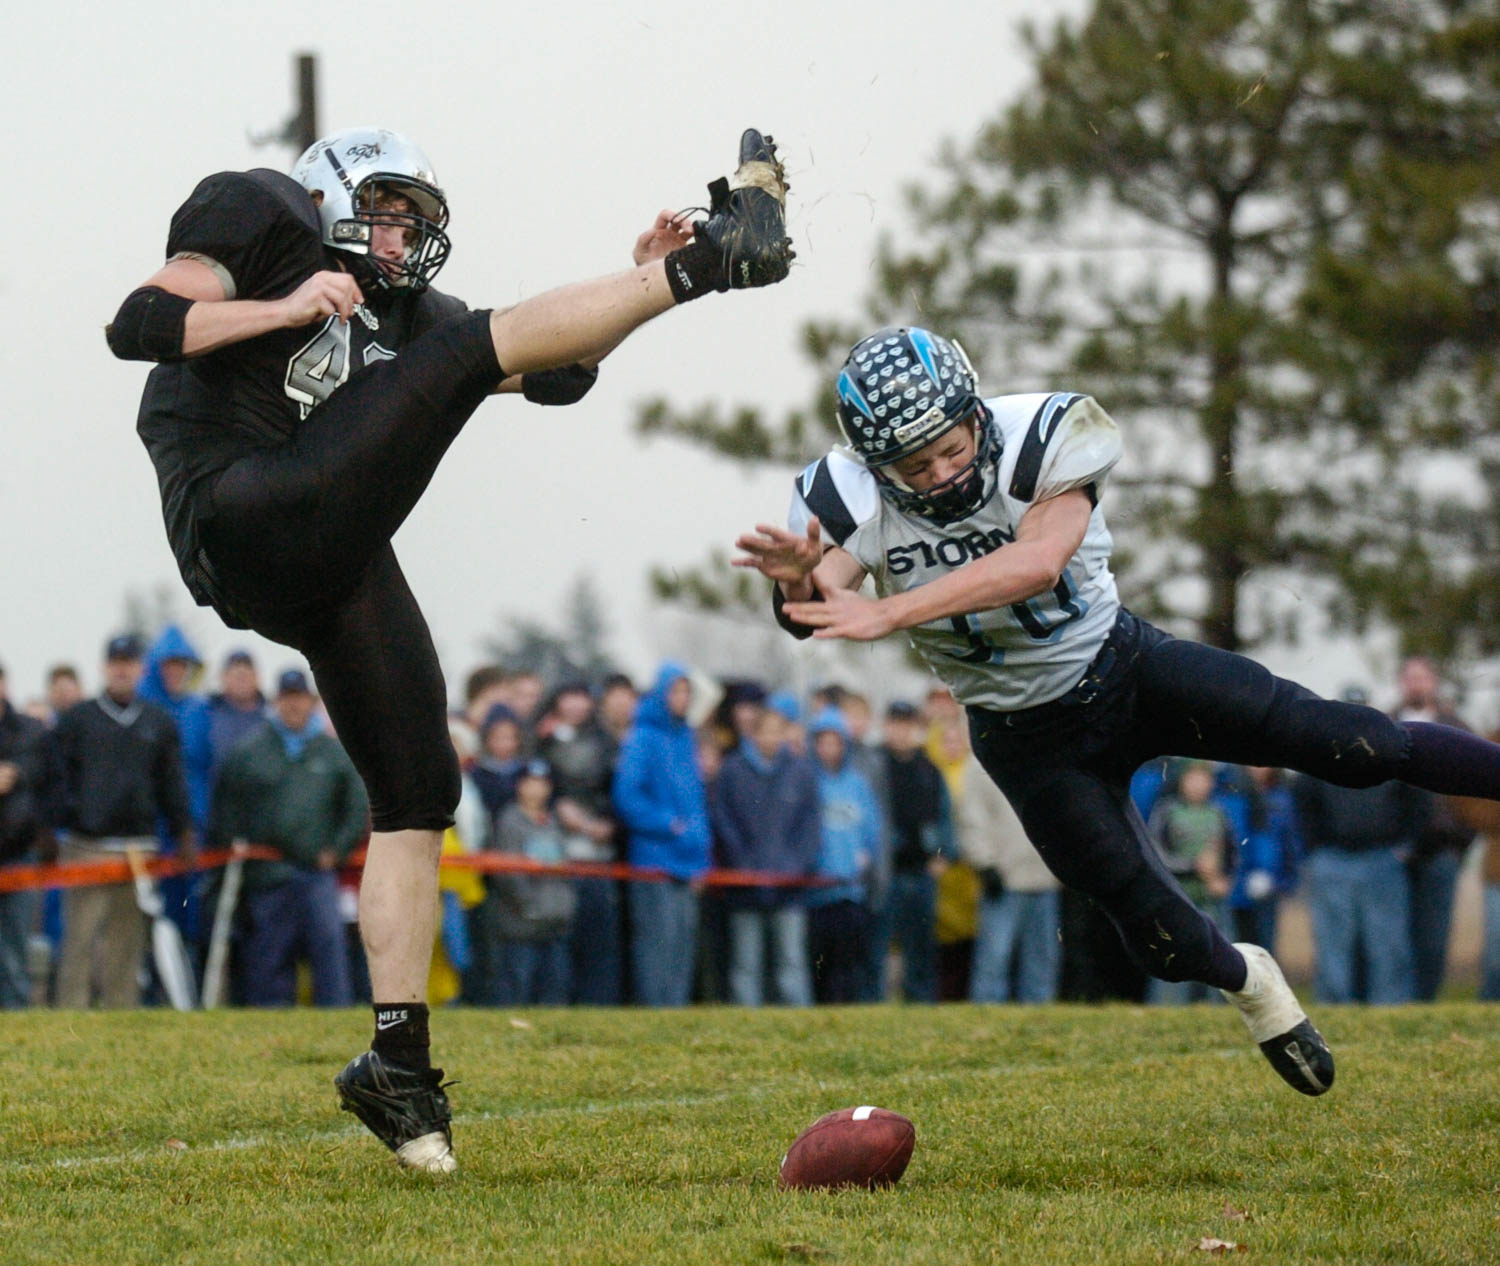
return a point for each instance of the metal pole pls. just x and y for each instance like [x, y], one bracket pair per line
[305, 123]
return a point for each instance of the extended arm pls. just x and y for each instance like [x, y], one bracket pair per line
[1048, 535]
[800, 565]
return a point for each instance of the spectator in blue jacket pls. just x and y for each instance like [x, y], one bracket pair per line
[172, 665]
[850, 831]
[1258, 802]
[764, 808]
[661, 803]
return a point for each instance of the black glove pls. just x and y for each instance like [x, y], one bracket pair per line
[566, 385]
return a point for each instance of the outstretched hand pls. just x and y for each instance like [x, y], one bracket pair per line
[671, 231]
[780, 555]
[844, 613]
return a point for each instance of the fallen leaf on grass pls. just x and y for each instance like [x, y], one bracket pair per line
[1231, 1214]
[177, 1145]
[1210, 1245]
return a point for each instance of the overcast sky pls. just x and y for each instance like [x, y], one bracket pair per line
[557, 131]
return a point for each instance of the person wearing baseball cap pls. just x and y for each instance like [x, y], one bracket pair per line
[121, 771]
[238, 709]
[291, 786]
[124, 648]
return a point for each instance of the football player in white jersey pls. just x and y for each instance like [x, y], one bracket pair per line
[980, 523]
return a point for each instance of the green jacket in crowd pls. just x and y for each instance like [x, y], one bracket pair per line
[299, 804]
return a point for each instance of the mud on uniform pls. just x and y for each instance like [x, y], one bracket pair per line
[287, 461]
[1068, 693]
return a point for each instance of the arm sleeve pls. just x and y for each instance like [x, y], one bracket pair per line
[567, 384]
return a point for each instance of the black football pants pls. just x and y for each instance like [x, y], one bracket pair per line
[299, 538]
[1066, 768]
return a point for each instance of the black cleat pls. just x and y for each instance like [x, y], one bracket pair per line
[747, 217]
[1279, 1026]
[1302, 1058]
[405, 1108]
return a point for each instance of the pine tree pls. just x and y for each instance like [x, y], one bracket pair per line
[1263, 234]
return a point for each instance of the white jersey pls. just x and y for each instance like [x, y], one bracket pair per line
[1016, 656]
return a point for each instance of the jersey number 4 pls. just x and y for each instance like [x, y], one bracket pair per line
[320, 366]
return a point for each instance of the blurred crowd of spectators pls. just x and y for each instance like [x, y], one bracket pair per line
[870, 855]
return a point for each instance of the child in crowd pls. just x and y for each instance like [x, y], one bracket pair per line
[534, 913]
[1196, 842]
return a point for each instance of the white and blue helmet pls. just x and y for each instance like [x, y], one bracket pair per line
[899, 390]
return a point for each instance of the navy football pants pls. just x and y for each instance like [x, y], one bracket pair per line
[1066, 767]
[299, 537]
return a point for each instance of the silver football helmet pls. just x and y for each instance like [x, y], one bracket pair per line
[344, 171]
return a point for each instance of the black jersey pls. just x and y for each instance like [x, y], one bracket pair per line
[259, 232]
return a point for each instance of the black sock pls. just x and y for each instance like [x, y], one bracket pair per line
[401, 1033]
[695, 270]
[1452, 762]
[1229, 970]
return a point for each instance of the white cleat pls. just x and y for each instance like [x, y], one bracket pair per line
[429, 1154]
[1279, 1026]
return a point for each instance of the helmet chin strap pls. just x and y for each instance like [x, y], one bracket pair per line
[934, 502]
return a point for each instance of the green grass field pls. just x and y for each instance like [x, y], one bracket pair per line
[1064, 1134]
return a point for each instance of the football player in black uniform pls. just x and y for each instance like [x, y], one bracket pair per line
[980, 522]
[310, 380]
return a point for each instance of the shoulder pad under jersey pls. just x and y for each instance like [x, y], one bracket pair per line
[840, 491]
[1071, 443]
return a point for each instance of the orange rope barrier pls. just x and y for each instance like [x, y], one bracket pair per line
[84, 874]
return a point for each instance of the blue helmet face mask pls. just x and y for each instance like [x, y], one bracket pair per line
[901, 389]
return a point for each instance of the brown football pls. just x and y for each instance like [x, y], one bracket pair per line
[854, 1147]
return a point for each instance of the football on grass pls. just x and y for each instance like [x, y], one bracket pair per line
[854, 1147]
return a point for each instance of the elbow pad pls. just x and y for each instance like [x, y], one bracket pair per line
[566, 385]
[778, 607]
[149, 325]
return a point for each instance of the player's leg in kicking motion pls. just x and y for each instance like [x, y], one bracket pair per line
[353, 473]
